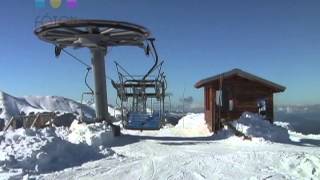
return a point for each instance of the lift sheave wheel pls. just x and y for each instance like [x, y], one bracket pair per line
[92, 33]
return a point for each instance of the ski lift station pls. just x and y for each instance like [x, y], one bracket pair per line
[228, 95]
[134, 92]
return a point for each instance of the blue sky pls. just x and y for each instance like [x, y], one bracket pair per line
[277, 40]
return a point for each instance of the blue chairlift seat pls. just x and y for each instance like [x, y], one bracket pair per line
[143, 121]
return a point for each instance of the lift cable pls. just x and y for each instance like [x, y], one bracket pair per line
[89, 68]
[124, 70]
[77, 59]
[86, 80]
[156, 59]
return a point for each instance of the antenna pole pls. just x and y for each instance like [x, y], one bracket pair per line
[100, 91]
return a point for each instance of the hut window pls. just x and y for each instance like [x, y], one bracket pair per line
[219, 98]
[231, 105]
[262, 106]
[207, 94]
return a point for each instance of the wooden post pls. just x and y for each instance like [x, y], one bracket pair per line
[208, 108]
[213, 108]
[35, 120]
[9, 123]
[270, 108]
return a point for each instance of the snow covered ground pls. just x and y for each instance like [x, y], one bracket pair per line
[185, 151]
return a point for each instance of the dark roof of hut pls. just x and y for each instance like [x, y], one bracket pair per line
[243, 74]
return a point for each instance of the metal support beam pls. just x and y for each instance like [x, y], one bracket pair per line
[100, 91]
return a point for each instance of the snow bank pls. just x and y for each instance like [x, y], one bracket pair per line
[194, 125]
[113, 111]
[96, 135]
[297, 136]
[51, 149]
[191, 125]
[283, 124]
[253, 125]
[45, 150]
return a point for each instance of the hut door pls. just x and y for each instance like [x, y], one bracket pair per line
[210, 104]
[213, 108]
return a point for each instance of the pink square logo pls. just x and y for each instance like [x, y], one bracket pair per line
[72, 4]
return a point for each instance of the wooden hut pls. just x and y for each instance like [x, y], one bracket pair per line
[228, 95]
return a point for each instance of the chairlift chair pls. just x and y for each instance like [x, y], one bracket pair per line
[135, 92]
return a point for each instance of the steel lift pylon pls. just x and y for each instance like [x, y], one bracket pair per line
[97, 35]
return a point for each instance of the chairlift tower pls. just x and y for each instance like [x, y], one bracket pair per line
[97, 35]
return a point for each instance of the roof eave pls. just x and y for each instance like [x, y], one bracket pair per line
[277, 88]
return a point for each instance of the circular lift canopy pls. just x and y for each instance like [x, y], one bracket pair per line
[96, 35]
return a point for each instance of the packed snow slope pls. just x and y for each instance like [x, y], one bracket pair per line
[185, 151]
[189, 151]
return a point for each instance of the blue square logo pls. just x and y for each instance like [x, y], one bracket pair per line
[40, 3]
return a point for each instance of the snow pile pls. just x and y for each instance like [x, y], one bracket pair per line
[283, 124]
[35, 151]
[45, 150]
[254, 126]
[98, 134]
[192, 125]
[297, 136]
[113, 111]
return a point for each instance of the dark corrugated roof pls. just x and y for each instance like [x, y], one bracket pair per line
[242, 74]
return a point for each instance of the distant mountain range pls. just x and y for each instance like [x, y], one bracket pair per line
[13, 106]
[302, 118]
[298, 108]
